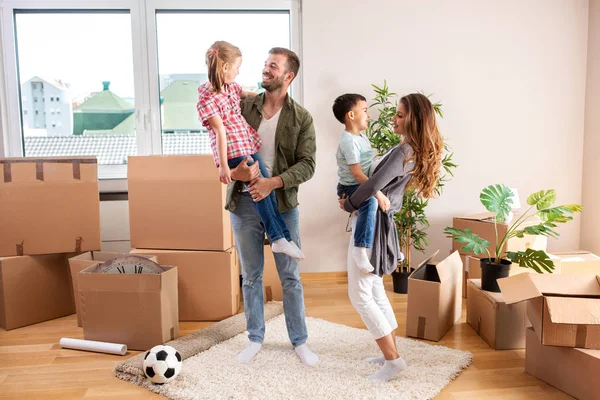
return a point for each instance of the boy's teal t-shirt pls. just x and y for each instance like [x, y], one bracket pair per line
[353, 149]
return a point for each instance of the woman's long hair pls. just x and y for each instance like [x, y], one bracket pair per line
[217, 55]
[422, 133]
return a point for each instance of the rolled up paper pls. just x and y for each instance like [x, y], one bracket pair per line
[91, 345]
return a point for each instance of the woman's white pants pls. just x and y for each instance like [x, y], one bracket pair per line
[368, 296]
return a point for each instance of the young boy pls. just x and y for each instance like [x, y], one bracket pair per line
[354, 158]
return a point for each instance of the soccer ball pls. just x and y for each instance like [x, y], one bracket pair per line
[162, 364]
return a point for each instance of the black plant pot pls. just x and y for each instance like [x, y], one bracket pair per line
[400, 280]
[491, 272]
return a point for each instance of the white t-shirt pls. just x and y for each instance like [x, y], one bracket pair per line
[266, 131]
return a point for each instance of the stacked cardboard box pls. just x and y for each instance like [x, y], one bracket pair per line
[434, 297]
[50, 211]
[483, 225]
[563, 344]
[176, 213]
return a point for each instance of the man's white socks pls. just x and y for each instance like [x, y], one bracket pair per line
[249, 352]
[307, 357]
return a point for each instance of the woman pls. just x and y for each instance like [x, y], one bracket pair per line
[416, 161]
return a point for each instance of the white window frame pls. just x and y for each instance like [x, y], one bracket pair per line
[13, 135]
[145, 63]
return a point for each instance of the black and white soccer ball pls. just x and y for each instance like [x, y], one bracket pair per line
[162, 364]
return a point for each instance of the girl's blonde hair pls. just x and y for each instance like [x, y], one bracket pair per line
[219, 54]
[422, 133]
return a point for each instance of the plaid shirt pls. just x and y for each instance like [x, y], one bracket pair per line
[242, 139]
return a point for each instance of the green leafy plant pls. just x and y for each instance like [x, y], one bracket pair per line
[411, 221]
[498, 199]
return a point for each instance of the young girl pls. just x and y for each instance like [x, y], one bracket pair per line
[232, 139]
[416, 162]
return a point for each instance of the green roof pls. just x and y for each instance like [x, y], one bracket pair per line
[104, 101]
[179, 106]
[127, 126]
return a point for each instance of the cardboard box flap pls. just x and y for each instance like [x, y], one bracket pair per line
[484, 217]
[172, 167]
[422, 265]
[444, 267]
[574, 310]
[523, 287]
[518, 288]
[89, 280]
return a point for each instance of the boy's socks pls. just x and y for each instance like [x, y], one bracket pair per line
[390, 369]
[285, 247]
[362, 260]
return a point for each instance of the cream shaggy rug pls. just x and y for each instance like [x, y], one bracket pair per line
[276, 372]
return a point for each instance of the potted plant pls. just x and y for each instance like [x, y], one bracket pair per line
[411, 221]
[498, 199]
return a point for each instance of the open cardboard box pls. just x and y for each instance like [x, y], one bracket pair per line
[434, 297]
[563, 309]
[138, 310]
[81, 262]
[500, 325]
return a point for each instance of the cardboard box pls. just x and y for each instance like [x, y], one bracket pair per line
[49, 205]
[81, 262]
[271, 280]
[208, 282]
[434, 297]
[574, 371]
[34, 289]
[177, 203]
[579, 263]
[500, 325]
[564, 310]
[138, 310]
[483, 225]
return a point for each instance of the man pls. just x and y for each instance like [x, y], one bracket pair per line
[288, 152]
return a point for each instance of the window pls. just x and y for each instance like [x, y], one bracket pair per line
[125, 72]
[181, 72]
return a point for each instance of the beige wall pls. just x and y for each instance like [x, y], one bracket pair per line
[511, 75]
[590, 225]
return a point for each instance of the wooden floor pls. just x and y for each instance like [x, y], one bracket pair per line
[33, 366]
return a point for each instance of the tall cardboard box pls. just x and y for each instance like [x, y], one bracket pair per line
[49, 205]
[208, 282]
[564, 310]
[483, 225]
[500, 325]
[138, 310]
[271, 280]
[434, 297]
[177, 203]
[579, 263]
[81, 262]
[574, 371]
[34, 289]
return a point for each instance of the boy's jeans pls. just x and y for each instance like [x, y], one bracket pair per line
[365, 225]
[249, 241]
[267, 207]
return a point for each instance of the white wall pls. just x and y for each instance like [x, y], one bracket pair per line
[590, 225]
[511, 75]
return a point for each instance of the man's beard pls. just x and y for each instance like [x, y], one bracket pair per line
[273, 84]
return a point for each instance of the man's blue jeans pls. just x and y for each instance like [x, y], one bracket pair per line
[249, 236]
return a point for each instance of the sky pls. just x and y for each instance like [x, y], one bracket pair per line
[86, 49]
